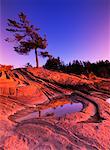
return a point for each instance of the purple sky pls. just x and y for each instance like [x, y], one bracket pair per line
[75, 29]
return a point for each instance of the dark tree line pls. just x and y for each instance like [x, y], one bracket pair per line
[100, 68]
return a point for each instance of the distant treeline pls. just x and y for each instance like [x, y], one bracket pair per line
[100, 68]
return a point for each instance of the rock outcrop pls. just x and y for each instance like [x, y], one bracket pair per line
[24, 91]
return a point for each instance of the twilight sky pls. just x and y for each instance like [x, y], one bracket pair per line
[75, 29]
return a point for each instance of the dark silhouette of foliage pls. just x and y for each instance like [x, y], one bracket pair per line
[100, 68]
[26, 35]
[53, 63]
[45, 54]
[28, 65]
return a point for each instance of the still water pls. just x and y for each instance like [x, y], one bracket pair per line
[59, 111]
[62, 110]
[108, 100]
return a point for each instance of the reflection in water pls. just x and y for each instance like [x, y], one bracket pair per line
[39, 113]
[62, 110]
[59, 111]
[108, 100]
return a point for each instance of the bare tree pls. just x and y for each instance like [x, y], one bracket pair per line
[26, 35]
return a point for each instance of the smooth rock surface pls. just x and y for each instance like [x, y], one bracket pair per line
[28, 90]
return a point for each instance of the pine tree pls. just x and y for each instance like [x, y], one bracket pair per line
[26, 35]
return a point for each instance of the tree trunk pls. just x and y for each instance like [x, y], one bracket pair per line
[36, 54]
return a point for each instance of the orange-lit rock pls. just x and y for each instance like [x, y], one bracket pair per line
[24, 91]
